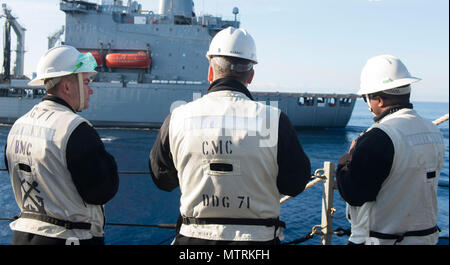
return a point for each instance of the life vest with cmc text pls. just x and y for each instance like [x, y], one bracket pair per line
[224, 147]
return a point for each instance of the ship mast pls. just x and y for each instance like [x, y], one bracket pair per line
[54, 38]
[183, 8]
[7, 52]
[20, 49]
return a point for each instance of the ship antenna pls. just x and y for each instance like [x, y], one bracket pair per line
[235, 12]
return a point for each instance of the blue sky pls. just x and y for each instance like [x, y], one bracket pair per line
[307, 46]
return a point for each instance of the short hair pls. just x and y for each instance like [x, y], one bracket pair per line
[52, 84]
[226, 66]
[392, 99]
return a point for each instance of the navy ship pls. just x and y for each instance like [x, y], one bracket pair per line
[149, 63]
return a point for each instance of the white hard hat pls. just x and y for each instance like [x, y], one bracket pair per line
[233, 42]
[385, 73]
[60, 61]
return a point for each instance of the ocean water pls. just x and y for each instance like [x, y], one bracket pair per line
[140, 202]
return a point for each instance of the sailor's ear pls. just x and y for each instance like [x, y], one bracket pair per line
[65, 86]
[380, 102]
[68, 86]
[210, 74]
[250, 79]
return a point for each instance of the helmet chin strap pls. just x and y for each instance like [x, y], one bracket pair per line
[81, 89]
[368, 104]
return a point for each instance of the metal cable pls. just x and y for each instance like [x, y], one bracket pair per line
[162, 226]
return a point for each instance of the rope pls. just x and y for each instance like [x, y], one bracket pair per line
[300, 240]
[342, 232]
[317, 177]
[119, 172]
[162, 226]
[314, 181]
[305, 237]
[441, 119]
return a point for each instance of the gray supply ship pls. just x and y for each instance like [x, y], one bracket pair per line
[148, 63]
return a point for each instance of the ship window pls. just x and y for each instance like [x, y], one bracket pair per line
[15, 92]
[345, 102]
[306, 101]
[3, 92]
[21, 92]
[321, 102]
[301, 101]
[332, 102]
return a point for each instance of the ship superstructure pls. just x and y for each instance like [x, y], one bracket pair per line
[150, 62]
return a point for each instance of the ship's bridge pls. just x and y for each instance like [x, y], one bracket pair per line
[178, 12]
[135, 45]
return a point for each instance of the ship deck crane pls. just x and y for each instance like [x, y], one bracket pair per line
[20, 34]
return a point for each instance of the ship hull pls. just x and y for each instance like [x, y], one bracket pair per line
[147, 105]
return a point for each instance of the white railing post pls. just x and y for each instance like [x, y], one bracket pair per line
[327, 203]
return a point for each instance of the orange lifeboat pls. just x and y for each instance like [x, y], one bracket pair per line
[128, 60]
[98, 57]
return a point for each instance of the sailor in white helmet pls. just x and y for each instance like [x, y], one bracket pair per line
[231, 156]
[389, 176]
[60, 171]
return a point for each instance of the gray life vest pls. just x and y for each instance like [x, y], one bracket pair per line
[49, 202]
[224, 147]
[405, 210]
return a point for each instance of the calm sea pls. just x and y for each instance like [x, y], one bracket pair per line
[140, 202]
